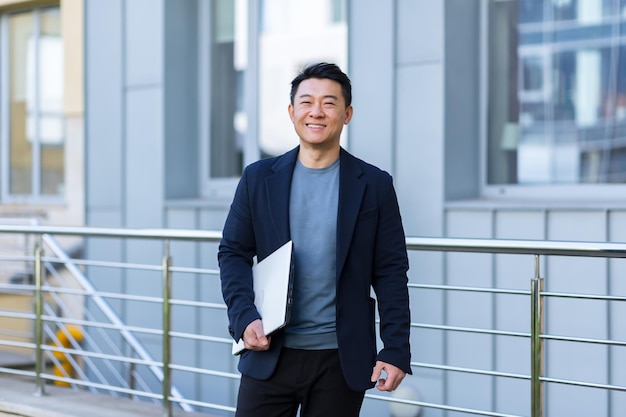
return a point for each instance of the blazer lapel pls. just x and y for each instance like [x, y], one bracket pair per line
[351, 191]
[278, 187]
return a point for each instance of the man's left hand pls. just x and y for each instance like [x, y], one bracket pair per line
[394, 377]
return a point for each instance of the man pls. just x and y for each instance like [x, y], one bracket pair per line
[343, 218]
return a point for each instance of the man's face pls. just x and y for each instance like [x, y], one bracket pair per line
[319, 113]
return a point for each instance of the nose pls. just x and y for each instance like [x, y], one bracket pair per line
[316, 110]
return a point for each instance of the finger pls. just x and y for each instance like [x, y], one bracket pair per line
[392, 381]
[257, 343]
[254, 337]
[378, 369]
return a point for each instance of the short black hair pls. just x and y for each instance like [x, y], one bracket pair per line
[323, 70]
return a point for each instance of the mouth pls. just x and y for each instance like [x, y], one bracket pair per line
[315, 126]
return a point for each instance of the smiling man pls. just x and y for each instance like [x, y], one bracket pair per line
[343, 218]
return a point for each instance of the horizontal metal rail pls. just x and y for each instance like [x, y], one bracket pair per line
[469, 289]
[439, 406]
[489, 246]
[468, 330]
[520, 247]
[468, 370]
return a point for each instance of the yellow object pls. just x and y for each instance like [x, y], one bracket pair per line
[64, 368]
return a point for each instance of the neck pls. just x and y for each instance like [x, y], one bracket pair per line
[318, 158]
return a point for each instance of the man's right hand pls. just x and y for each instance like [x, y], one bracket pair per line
[254, 337]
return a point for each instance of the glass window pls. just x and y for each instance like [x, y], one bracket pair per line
[33, 138]
[557, 93]
[228, 64]
[248, 76]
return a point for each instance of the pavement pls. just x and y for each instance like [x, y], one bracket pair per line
[17, 399]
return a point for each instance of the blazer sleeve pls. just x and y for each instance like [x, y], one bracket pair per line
[235, 258]
[390, 283]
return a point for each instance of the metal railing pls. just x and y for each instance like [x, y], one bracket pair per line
[163, 368]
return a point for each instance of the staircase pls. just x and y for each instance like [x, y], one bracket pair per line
[66, 291]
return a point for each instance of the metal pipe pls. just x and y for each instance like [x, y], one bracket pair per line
[161, 234]
[39, 365]
[540, 247]
[131, 376]
[167, 324]
[536, 343]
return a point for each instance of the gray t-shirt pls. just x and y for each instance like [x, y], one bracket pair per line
[313, 209]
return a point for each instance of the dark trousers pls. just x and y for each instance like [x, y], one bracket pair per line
[311, 379]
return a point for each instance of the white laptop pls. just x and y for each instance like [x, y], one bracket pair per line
[272, 282]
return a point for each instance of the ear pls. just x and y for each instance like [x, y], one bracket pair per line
[291, 112]
[349, 111]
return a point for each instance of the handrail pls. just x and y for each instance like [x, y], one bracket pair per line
[501, 246]
[527, 247]
[160, 234]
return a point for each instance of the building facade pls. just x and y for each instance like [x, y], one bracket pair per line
[497, 119]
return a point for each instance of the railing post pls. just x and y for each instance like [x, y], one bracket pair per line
[167, 322]
[39, 360]
[131, 378]
[536, 343]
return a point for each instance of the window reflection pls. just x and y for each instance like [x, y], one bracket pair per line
[36, 133]
[50, 125]
[228, 65]
[562, 120]
[20, 148]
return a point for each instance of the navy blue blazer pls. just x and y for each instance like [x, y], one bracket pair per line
[371, 253]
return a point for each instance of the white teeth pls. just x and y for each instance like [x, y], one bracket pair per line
[315, 126]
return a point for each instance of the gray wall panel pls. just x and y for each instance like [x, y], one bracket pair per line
[512, 396]
[104, 249]
[469, 223]
[103, 105]
[466, 390]
[371, 70]
[213, 219]
[144, 158]
[520, 224]
[420, 31]
[576, 401]
[462, 115]
[143, 27]
[573, 224]
[106, 217]
[181, 99]
[181, 218]
[419, 153]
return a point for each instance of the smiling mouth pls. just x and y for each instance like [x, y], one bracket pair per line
[314, 126]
